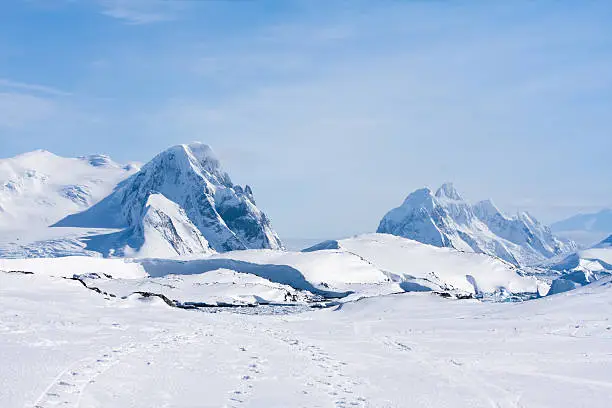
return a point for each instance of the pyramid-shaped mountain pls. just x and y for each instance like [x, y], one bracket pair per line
[188, 182]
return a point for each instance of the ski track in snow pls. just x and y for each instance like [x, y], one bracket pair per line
[367, 355]
[69, 386]
[241, 394]
[67, 389]
[332, 376]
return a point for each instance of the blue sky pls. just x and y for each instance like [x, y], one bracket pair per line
[332, 110]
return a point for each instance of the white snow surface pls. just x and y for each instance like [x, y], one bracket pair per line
[445, 219]
[44, 242]
[64, 345]
[166, 231]
[362, 266]
[39, 188]
[218, 287]
[404, 260]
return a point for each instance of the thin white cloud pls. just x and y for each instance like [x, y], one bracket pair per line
[10, 84]
[138, 12]
[135, 17]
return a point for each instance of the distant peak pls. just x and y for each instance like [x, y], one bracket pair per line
[526, 217]
[203, 154]
[197, 157]
[421, 193]
[487, 206]
[419, 198]
[196, 151]
[447, 190]
[200, 150]
[605, 243]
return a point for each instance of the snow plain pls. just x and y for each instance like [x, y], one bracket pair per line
[64, 345]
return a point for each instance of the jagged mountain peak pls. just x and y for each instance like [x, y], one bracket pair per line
[487, 208]
[446, 219]
[165, 229]
[195, 156]
[191, 176]
[418, 198]
[204, 154]
[448, 191]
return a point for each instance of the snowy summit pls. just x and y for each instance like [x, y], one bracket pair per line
[191, 188]
[445, 219]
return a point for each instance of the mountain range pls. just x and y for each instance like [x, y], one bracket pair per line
[445, 219]
[585, 228]
[180, 203]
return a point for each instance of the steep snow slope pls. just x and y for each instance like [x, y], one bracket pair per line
[164, 230]
[63, 345]
[39, 188]
[191, 177]
[586, 228]
[445, 219]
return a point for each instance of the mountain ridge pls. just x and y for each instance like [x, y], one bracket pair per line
[445, 219]
[190, 176]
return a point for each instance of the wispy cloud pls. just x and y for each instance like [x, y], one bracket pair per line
[10, 84]
[139, 12]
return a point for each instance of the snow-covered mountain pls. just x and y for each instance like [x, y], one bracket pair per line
[165, 229]
[445, 219]
[189, 189]
[583, 267]
[585, 228]
[596, 259]
[39, 188]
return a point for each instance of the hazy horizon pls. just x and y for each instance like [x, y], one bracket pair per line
[332, 114]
